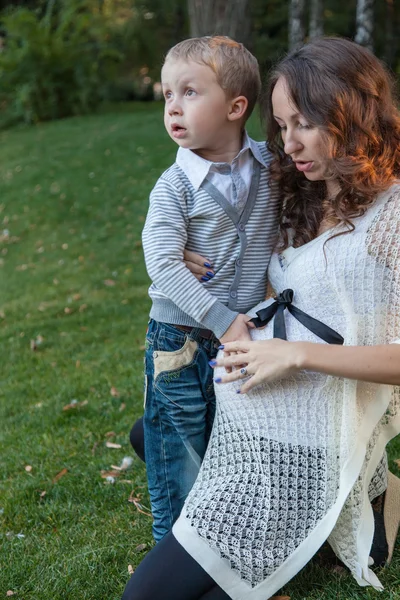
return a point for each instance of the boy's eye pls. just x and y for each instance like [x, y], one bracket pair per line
[190, 92]
[167, 95]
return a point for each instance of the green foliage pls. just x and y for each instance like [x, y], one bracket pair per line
[54, 65]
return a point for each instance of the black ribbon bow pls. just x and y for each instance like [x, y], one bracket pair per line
[277, 308]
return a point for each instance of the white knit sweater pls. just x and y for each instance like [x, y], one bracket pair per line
[293, 462]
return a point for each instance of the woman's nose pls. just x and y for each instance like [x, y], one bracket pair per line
[292, 144]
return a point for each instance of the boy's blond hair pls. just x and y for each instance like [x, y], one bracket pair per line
[236, 69]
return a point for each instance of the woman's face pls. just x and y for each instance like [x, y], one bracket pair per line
[304, 143]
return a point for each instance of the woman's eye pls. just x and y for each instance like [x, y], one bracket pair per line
[304, 126]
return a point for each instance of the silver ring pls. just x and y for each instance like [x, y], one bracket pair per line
[243, 371]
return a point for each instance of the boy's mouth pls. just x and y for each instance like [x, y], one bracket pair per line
[177, 130]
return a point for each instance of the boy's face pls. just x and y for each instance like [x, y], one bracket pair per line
[196, 107]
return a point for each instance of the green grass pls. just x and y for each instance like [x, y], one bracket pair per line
[74, 198]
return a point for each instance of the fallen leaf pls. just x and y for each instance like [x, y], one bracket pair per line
[141, 547]
[109, 282]
[67, 310]
[114, 392]
[42, 494]
[33, 345]
[76, 297]
[78, 364]
[131, 570]
[122, 407]
[28, 468]
[110, 434]
[94, 447]
[112, 445]
[10, 593]
[59, 475]
[81, 309]
[75, 404]
[112, 473]
[136, 501]
[280, 598]
[397, 462]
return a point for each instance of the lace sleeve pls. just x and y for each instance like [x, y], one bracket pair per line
[383, 243]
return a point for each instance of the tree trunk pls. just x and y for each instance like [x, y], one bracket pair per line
[220, 17]
[365, 23]
[316, 19]
[390, 39]
[296, 20]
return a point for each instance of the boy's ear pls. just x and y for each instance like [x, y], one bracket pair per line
[238, 107]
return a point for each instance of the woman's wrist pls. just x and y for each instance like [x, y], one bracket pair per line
[302, 355]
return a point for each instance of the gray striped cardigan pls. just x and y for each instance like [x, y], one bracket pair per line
[238, 244]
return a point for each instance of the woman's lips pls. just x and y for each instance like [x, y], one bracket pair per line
[304, 166]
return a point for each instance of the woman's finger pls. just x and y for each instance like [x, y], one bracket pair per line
[243, 346]
[197, 271]
[234, 359]
[250, 384]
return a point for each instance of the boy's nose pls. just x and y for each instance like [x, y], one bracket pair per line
[174, 108]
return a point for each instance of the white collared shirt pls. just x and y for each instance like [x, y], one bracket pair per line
[233, 179]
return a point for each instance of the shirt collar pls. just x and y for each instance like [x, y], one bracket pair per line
[197, 168]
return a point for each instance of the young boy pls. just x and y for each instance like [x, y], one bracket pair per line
[217, 200]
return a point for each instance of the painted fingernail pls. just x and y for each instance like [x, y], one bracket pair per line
[205, 278]
[218, 380]
[238, 391]
[221, 347]
[210, 274]
[212, 363]
[207, 264]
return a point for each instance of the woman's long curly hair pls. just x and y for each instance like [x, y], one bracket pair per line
[345, 91]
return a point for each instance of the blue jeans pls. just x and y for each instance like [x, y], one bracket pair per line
[178, 417]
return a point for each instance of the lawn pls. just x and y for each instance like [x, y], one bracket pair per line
[73, 313]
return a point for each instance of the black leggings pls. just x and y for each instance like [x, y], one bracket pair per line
[168, 572]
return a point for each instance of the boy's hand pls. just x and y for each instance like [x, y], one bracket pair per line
[238, 330]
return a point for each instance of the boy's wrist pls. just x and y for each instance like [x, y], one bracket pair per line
[219, 318]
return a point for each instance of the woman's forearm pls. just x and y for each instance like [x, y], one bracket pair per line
[379, 364]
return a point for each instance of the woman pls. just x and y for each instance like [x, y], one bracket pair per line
[296, 460]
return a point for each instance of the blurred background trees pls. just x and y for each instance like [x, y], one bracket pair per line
[63, 57]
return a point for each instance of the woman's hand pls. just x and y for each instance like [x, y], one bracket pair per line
[198, 265]
[264, 361]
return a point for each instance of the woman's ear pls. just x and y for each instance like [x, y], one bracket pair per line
[238, 108]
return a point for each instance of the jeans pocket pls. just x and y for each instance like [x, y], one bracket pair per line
[174, 360]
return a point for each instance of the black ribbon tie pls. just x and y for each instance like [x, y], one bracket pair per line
[277, 308]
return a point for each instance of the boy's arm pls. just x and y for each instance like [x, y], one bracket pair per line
[164, 239]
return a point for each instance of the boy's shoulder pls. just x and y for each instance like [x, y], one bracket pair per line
[261, 151]
[174, 177]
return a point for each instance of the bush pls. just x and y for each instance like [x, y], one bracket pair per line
[54, 65]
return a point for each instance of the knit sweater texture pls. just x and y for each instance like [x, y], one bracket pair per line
[296, 461]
